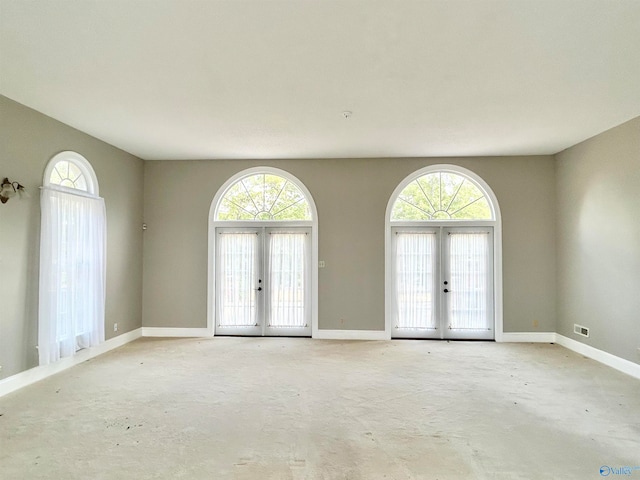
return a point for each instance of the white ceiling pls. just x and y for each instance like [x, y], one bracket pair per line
[186, 79]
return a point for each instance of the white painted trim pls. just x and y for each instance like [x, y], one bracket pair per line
[33, 375]
[351, 335]
[496, 222]
[625, 366]
[175, 332]
[213, 223]
[528, 337]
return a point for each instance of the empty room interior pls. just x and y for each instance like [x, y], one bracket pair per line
[319, 240]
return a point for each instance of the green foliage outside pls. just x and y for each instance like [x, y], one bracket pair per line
[264, 197]
[441, 196]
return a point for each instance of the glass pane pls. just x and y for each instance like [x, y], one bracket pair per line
[449, 189]
[74, 172]
[287, 279]
[415, 280]
[430, 185]
[479, 209]
[81, 183]
[231, 211]
[273, 185]
[468, 271]
[441, 196]
[469, 202]
[255, 188]
[264, 197]
[68, 174]
[415, 196]
[237, 272]
[63, 168]
[55, 177]
[237, 204]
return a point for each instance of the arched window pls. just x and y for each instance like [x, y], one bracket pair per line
[72, 259]
[263, 196]
[70, 170]
[443, 248]
[442, 195]
[263, 244]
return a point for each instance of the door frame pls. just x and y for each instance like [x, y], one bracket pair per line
[441, 262]
[496, 223]
[436, 231]
[445, 232]
[263, 303]
[213, 224]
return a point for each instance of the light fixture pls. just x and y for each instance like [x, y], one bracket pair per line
[8, 189]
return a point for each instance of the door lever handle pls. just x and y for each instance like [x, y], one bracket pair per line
[258, 289]
[446, 290]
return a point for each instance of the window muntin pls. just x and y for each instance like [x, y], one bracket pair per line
[67, 174]
[70, 171]
[441, 196]
[263, 197]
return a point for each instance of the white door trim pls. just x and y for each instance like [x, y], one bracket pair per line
[497, 240]
[313, 224]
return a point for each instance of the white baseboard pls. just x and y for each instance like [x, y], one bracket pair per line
[526, 337]
[175, 332]
[22, 379]
[351, 335]
[625, 366]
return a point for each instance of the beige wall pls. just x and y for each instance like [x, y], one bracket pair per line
[598, 189]
[351, 196]
[582, 205]
[28, 140]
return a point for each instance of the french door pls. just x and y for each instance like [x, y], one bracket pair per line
[443, 282]
[263, 281]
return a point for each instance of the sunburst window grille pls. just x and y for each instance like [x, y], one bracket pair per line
[264, 197]
[441, 196]
[67, 174]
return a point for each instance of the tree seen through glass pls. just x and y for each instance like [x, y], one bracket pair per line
[264, 197]
[441, 196]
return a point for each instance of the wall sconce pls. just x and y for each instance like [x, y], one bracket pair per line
[8, 189]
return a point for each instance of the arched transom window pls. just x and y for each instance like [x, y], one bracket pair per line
[71, 170]
[442, 196]
[263, 196]
[67, 174]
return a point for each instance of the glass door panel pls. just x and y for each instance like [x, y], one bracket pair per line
[263, 281]
[238, 282]
[468, 291]
[288, 282]
[415, 282]
[442, 282]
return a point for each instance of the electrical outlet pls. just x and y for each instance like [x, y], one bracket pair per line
[115, 327]
[321, 264]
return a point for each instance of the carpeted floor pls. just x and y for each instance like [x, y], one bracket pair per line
[279, 408]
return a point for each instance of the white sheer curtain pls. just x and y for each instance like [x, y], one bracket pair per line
[237, 270]
[415, 279]
[72, 274]
[469, 268]
[287, 260]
